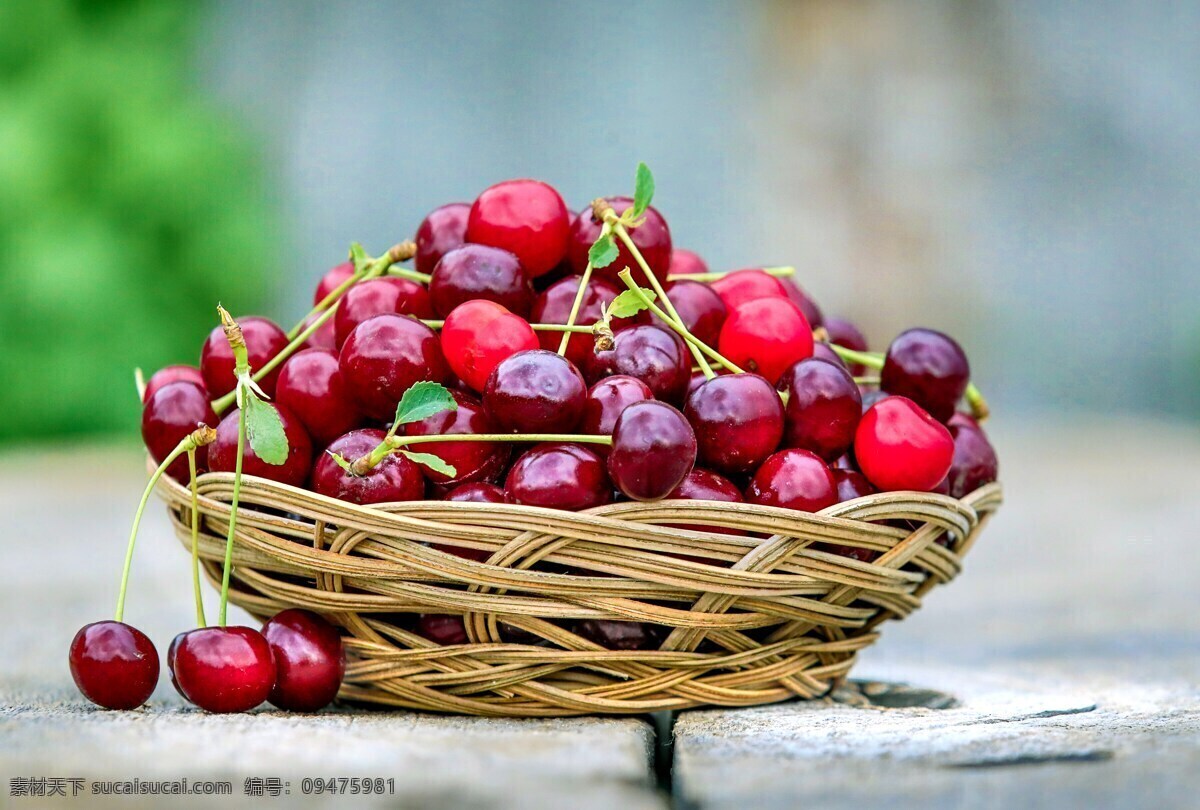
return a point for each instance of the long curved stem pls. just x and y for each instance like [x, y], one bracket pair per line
[974, 397]
[233, 509]
[778, 272]
[411, 275]
[583, 285]
[537, 327]
[698, 346]
[201, 621]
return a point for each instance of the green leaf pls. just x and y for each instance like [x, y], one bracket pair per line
[422, 400]
[432, 462]
[264, 430]
[339, 459]
[643, 190]
[629, 303]
[603, 252]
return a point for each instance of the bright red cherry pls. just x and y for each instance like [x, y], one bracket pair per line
[394, 479]
[171, 413]
[311, 387]
[170, 374]
[264, 340]
[335, 278]
[740, 286]
[384, 356]
[525, 217]
[653, 448]
[309, 660]
[796, 294]
[845, 334]
[477, 335]
[222, 454]
[554, 306]
[974, 463]
[766, 335]
[442, 629]
[929, 368]
[605, 401]
[480, 272]
[442, 231]
[536, 392]
[738, 420]
[793, 479]
[114, 665]
[823, 409]
[700, 308]
[652, 237]
[653, 355]
[379, 296]
[472, 461]
[225, 669]
[899, 446]
[615, 635]
[559, 476]
[686, 263]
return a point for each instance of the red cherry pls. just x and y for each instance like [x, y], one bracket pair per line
[705, 485]
[823, 409]
[225, 669]
[686, 263]
[607, 399]
[653, 448]
[699, 307]
[114, 665]
[653, 355]
[170, 374]
[795, 294]
[264, 340]
[766, 335]
[740, 286]
[793, 479]
[311, 387]
[472, 461]
[851, 484]
[845, 334]
[929, 368]
[525, 217]
[335, 278]
[448, 631]
[559, 476]
[738, 420]
[479, 272]
[324, 337]
[899, 446]
[309, 660]
[554, 306]
[379, 296]
[384, 356]
[474, 492]
[442, 231]
[222, 454]
[652, 237]
[477, 335]
[536, 392]
[393, 479]
[171, 662]
[170, 414]
[974, 463]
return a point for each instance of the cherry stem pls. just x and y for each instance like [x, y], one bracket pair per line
[411, 275]
[391, 444]
[139, 381]
[201, 621]
[979, 407]
[578, 302]
[537, 327]
[778, 272]
[233, 508]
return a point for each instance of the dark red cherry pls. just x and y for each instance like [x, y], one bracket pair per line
[384, 356]
[962, 420]
[222, 454]
[225, 669]
[700, 308]
[929, 368]
[393, 479]
[851, 484]
[536, 392]
[309, 660]
[264, 340]
[615, 635]
[170, 374]
[324, 337]
[797, 295]
[475, 492]
[871, 396]
[479, 272]
[554, 306]
[653, 355]
[766, 335]
[686, 263]
[845, 334]
[653, 448]
[821, 351]
[114, 665]
[899, 446]
[705, 485]
[311, 387]
[605, 401]
[442, 231]
[559, 476]
[823, 409]
[448, 631]
[171, 413]
[793, 479]
[379, 296]
[472, 461]
[652, 237]
[525, 217]
[171, 662]
[335, 278]
[738, 420]
[477, 335]
[974, 463]
[740, 286]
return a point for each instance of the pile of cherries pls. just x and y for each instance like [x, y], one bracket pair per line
[726, 387]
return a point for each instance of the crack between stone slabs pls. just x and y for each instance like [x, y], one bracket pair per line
[1069, 757]
[1042, 715]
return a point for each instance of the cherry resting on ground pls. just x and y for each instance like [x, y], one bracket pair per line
[395, 478]
[477, 335]
[264, 340]
[224, 669]
[222, 454]
[525, 217]
[738, 420]
[443, 230]
[309, 660]
[114, 665]
[536, 392]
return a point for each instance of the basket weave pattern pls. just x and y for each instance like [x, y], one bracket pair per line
[750, 620]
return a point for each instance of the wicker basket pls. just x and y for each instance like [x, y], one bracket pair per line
[751, 620]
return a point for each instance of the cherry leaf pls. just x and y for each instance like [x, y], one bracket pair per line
[264, 430]
[603, 251]
[643, 190]
[432, 462]
[629, 303]
[422, 400]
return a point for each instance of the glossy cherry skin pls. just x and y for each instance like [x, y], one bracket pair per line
[559, 476]
[309, 660]
[823, 409]
[929, 368]
[797, 295]
[114, 665]
[615, 635]
[476, 492]
[384, 356]
[536, 392]
[478, 335]
[264, 340]
[439, 233]
[329, 282]
[479, 272]
[605, 402]
[793, 479]
[700, 308]
[379, 296]
[766, 335]
[443, 629]
[324, 337]
[653, 448]
[554, 306]
[472, 461]
[871, 396]
[845, 334]
[740, 286]
[525, 217]
[311, 387]
[222, 454]
[974, 463]
[821, 351]
[851, 484]
[738, 420]
[653, 355]
[170, 374]
[225, 669]
[899, 446]
[652, 237]
[393, 479]
[686, 263]
[705, 485]
[171, 661]
[171, 413]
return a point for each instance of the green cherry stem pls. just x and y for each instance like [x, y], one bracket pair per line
[778, 272]
[391, 444]
[974, 397]
[241, 370]
[201, 621]
[411, 275]
[537, 327]
[578, 302]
